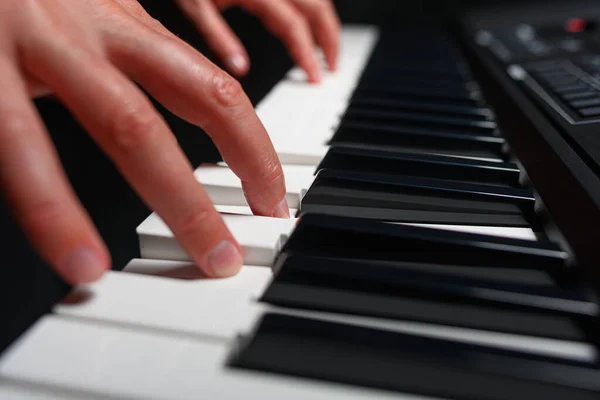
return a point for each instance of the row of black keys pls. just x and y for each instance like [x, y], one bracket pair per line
[354, 266]
[394, 159]
[397, 153]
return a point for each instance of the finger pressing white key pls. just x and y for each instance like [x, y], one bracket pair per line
[259, 238]
[225, 188]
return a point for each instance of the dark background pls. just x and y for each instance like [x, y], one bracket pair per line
[28, 288]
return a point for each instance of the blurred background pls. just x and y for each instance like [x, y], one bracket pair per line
[27, 287]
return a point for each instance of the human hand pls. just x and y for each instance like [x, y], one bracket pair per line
[294, 21]
[84, 51]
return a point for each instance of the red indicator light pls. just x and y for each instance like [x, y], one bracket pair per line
[576, 25]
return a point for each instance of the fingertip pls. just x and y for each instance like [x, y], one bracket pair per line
[332, 63]
[82, 265]
[224, 260]
[238, 64]
[282, 210]
[314, 75]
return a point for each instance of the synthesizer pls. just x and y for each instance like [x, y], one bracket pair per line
[442, 187]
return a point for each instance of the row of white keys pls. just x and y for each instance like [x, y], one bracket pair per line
[224, 309]
[143, 334]
[116, 362]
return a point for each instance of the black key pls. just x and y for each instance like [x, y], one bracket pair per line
[589, 111]
[375, 76]
[574, 88]
[407, 363]
[418, 93]
[362, 239]
[580, 95]
[416, 119]
[436, 88]
[556, 82]
[421, 97]
[416, 70]
[419, 140]
[430, 293]
[407, 104]
[348, 158]
[586, 102]
[411, 199]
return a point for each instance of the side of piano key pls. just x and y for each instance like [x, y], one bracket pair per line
[259, 237]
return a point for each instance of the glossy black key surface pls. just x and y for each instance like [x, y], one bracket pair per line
[586, 102]
[580, 95]
[414, 199]
[416, 80]
[420, 140]
[571, 88]
[347, 158]
[358, 238]
[418, 119]
[418, 93]
[409, 104]
[408, 363]
[440, 90]
[590, 111]
[432, 294]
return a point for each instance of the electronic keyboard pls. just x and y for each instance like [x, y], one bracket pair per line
[427, 257]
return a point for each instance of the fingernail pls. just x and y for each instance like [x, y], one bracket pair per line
[238, 64]
[81, 265]
[282, 210]
[225, 260]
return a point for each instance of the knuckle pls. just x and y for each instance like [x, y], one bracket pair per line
[131, 128]
[227, 91]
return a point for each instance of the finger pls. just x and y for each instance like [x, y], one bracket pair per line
[218, 35]
[36, 89]
[199, 92]
[37, 189]
[322, 16]
[284, 21]
[123, 122]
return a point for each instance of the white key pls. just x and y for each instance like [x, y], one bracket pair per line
[242, 210]
[225, 188]
[212, 308]
[222, 309]
[252, 279]
[301, 117]
[258, 236]
[293, 104]
[16, 392]
[122, 362]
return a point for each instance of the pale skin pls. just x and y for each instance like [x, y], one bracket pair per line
[89, 53]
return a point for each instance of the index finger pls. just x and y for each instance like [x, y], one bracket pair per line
[193, 88]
